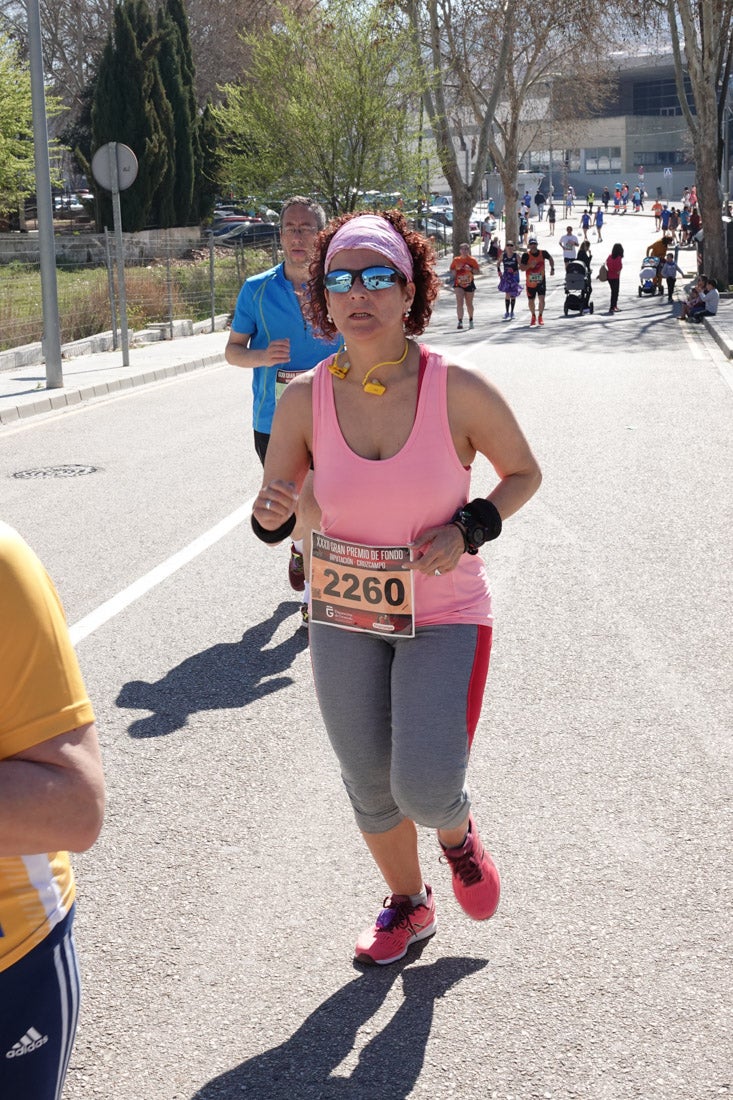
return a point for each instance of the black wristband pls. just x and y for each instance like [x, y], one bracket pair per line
[478, 522]
[487, 515]
[278, 534]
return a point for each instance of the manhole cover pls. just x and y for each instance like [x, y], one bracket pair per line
[71, 470]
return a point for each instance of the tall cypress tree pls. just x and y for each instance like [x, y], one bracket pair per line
[176, 10]
[209, 178]
[162, 213]
[170, 57]
[123, 111]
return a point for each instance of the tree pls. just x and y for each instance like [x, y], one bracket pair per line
[462, 60]
[76, 134]
[339, 123]
[74, 34]
[131, 119]
[702, 44]
[187, 120]
[220, 53]
[17, 172]
[209, 177]
[183, 125]
[482, 66]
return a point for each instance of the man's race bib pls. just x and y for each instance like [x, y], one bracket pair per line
[363, 588]
[534, 278]
[281, 380]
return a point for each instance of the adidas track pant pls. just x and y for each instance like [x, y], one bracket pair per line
[39, 1010]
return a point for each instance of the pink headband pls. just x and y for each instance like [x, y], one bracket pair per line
[376, 233]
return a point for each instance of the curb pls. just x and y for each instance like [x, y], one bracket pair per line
[63, 398]
[724, 342]
[31, 355]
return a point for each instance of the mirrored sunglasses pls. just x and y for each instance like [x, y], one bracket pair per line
[372, 278]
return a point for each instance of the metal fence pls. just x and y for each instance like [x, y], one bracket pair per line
[168, 275]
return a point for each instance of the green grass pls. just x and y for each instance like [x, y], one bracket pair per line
[83, 295]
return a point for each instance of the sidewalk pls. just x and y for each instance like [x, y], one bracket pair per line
[23, 390]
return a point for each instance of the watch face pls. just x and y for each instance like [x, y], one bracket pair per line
[477, 536]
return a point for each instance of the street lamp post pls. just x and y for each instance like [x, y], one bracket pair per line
[44, 204]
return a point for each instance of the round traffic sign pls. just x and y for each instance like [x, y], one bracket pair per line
[113, 156]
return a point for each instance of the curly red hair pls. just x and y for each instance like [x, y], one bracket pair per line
[424, 277]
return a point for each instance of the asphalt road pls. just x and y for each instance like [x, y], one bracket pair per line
[218, 910]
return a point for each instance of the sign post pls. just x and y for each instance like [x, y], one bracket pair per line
[114, 167]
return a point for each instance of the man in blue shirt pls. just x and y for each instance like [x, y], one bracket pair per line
[270, 335]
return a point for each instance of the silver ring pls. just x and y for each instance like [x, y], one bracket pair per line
[438, 573]
[268, 505]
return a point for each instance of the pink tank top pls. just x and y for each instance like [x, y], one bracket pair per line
[390, 502]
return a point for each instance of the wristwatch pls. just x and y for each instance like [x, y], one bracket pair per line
[474, 532]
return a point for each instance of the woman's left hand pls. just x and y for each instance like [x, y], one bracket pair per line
[437, 550]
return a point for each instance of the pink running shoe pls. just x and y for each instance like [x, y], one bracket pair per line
[475, 878]
[296, 570]
[398, 925]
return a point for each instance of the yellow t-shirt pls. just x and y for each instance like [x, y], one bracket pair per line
[42, 695]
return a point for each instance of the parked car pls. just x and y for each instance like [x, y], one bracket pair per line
[431, 227]
[445, 216]
[238, 230]
[70, 203]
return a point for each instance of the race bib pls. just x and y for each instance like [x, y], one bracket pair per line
[362, 588]
[534, 278]
[281, 380]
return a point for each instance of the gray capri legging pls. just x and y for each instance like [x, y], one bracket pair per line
[400, 714]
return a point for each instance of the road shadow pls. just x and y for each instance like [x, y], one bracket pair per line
[389, 1065]
[225, 676]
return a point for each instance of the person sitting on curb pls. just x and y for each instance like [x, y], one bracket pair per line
[693, 296]
[706, 303]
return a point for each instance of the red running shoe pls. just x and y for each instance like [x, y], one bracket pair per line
[475, 878]
[296, 570]
[398, 925]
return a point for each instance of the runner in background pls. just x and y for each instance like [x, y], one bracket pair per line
[463, 269]
[392, 429]
[270, 335]
[508, 268]
[533, 264]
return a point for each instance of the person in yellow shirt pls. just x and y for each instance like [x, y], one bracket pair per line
[51, 802]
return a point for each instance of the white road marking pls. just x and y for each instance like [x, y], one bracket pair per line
[106, 611]
[696, 350]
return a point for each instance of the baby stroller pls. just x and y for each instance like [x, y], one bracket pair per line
[578, 288]
[649, 281]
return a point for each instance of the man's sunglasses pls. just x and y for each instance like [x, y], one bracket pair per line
[372, 278]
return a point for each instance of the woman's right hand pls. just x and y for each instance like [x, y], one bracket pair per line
[276, 353]
[275, 503]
